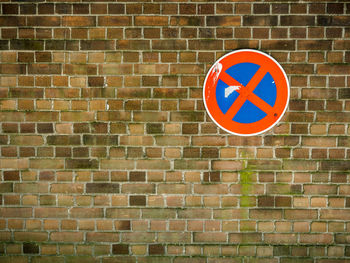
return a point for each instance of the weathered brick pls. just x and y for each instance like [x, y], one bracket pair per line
[107, 150]
[51, 212]
[120, 213]
[63, 140]
[46, 164]
[250, 238]
[81, 164]
[97, 45]
[16, 212]
[78, 21]
[100, 139]
[141, 237]
[191, 164]
[151, 20]
[117, 164]
[102, 188]
[210, 237]
[186, 21]
[137, 200]
[66, 236]
[316, 238]
[281, 238]
[297, 20]
[12, 69]
[278, 44]
[47, 69]
[31, 236]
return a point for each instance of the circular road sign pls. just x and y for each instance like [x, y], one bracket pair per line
[246, 92]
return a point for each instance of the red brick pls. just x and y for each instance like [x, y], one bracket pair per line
[102, 237]
[20, 212]
[31, 236]
[316, 238]
[151, 20]
[210, 237]
[66, 236]
[78, 21]
[281, 238]
[51, 212]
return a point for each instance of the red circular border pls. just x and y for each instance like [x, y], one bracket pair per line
[282, 98]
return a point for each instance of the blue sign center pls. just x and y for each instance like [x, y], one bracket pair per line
[249, 112]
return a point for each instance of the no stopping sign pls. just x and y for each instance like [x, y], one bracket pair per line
[246, 92]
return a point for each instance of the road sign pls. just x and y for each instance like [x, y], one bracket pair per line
[246, 92]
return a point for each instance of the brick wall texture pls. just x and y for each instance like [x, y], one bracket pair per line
[108, 154]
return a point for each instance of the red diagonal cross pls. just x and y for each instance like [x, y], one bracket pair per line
[246, 93]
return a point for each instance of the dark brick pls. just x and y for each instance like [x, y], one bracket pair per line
[266, 201]
[30, 248]
[46, 69]
[122, 225]
[43, 57]
[137, 200]
[120, 249]
[223, 20]
[27, 128]
[344, 93]
[54, 45]
[28, 9]
[100, 139]
[46, 9]
[63, 140]
[80, 8]
[211, 177]
[82, 164]
[335, 165]
[156, 249]
[9, 9]
[9, 127]
[47, 175]
[97, 45]
[3, 139]
[187, 21]
[278, 44]
[260, 20]
[25, 57]
[116, 9]
[4, 44]
[210, 152]
[44, 21]
[95, 81]
[137, 176]
[154, 128]
[81, 128]
[99, 127]
[45, 127]
[297, 20]
[169, 44]
[102, 188]
[26, 93]
[281, 251]
[333, 21]
[335, 8]
[11, 175]
[81, 152]
[12, 21]
[261, 8]
[63, 152]
[63, 8]
[6, 187]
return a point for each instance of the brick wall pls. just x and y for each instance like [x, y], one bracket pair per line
[108, 155]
